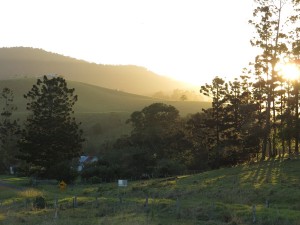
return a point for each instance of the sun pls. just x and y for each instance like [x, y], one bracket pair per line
[289, 71]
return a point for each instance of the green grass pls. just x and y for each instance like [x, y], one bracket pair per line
[224, 196]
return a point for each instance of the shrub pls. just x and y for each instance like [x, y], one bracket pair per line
[102, 170]
[167, 167]
[39, 202]
[95, 180]
[63, 171]
[90, 171]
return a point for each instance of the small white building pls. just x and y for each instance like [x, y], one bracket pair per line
[84, 160]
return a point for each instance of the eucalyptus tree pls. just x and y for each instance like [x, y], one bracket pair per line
[158, 134]
[288, 119]
[295, 55]
[295, 107]
[155, 127]
[270, 26]
[200, 138]
[233, 120]
[282, 102]
[51, 135]
[216, 119]
[243, 130]
[291, 112]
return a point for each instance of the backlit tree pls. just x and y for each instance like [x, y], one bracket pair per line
[51, 135]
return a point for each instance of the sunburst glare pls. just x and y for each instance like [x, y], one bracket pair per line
[289, 71]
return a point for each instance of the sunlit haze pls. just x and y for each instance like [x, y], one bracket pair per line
[189, 40]
[289, 71]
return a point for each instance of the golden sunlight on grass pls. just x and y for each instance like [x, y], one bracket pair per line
[2, 217]
[30, 193]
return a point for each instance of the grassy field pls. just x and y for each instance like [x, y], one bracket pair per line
[263, 193]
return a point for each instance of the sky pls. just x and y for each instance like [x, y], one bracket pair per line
[188, 40]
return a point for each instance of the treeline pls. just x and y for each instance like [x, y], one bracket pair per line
[252, 117]
[48, 141]
[245, 123]
[179, 95]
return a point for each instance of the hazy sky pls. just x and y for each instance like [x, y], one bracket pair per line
[191, 40]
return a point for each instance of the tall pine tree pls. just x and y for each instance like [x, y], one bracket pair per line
[51, 135]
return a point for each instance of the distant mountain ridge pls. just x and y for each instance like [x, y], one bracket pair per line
[95, 99]
[20, 62]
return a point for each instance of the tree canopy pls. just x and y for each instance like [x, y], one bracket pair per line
[157, 141]
[51, 135]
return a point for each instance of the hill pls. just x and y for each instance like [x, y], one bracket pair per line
[265, 193]
[103, 112]
[29, 62]
[95, 99]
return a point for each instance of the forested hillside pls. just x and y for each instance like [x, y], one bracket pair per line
[103, 112]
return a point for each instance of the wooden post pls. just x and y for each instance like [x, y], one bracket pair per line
[152, 206]
[56, 213]
[97, 203]
[146, 202]
[267, 204]
[55, 203]
[75, 202]
[254, 214]
[178, 208]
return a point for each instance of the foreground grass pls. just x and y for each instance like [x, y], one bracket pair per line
[263, 193]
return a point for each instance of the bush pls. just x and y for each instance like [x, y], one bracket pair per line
[99, 171]
[90, 171]
[167, 167]
[63, 171]
[95, 180]
[39, 202]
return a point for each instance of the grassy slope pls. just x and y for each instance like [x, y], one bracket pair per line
[224, 196]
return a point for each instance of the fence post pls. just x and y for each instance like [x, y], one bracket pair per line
[254, 214]
[75, 202]
[55, 203]
[267, 204]
[178, 208]
[146, 202]
[97, 203]
[56, 213]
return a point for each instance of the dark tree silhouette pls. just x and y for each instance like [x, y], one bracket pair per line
[51, 135]
[9, 129]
